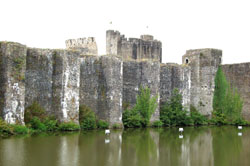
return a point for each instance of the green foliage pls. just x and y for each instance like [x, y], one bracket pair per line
[5, 129]
[34, 110]
[173, 113]
[87, 118]
[51, 124]
[19, 129]
[131, 119]
[36, 124]
[227, 103]
[140, 115]
[145, 105]
[116, 126]
[157, 123]
[101, 124]
[69, 126]
[197, 118]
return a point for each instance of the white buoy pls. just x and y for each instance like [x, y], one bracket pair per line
[239, 134]
[107, 131]
[180, 136]
[239, 127]
[107, 141]
[181, 130]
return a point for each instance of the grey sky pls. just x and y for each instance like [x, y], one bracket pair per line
[179, 24]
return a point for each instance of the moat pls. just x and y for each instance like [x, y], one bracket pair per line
[199, 146]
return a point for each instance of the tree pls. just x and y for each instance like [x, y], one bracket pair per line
[226, 101]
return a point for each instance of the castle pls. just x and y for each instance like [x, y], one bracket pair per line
[62, 80]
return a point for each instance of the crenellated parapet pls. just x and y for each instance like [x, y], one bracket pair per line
[87, 46]
[133, 48]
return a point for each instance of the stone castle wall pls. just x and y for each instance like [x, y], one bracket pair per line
[62, 80]
[239, 77]
[144, 48]
[87, 46]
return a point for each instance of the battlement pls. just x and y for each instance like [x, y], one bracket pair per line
[86, 46]
[147, 37]
[144, 47]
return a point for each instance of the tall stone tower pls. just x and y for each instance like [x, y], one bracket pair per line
[204, 64]
[113, 42]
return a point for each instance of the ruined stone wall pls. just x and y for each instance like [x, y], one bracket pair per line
[86, 46]
[239, 77]
[175, 76]
[66, 84]
[38, 78]
[204, 64]
[140, 73]
[12, 81]
[144, 48]
[101, 86]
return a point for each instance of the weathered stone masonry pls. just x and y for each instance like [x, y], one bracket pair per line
[62, 80]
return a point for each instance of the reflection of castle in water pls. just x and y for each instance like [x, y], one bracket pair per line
[199, 146]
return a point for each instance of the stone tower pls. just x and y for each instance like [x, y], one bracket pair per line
[87, 46]
[133, 48]
[204, 64]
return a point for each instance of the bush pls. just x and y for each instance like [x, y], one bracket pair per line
[87, 118]
[69, 126]
[19, 129]
[196, 117]
[101, 124]
[5, 128]
[173, 113]
[145, 105]
[226, 102]
[157, 123]
[51, 124]
[36, 124]
[34, 110]
[131, 119]
[140, 115]
[116, 126]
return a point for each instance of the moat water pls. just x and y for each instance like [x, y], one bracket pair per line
[200, 146]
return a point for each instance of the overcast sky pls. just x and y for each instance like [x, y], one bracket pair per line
[179, 24]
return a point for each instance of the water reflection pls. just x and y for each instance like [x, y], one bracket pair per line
[141, 147]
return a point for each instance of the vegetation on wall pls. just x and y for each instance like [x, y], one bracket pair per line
[140, 114]
[227, 104]
[174, 114]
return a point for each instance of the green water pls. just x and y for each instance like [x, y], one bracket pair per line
[142, 147]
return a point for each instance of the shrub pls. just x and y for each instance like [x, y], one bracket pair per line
[34, 110]
[19, 129]
[226, 102]
[101, 124]
[87, 118]
[5, 128]
[197, 118]
[145, 105]
[173, 113]
[131, 119]
[157, 123]
[140, 115]
[69, 126]
[51, 124]
[36, 124]
[116, 126]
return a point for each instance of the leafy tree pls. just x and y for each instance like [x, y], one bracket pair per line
[141, 113]
[145, 105]
[226, 102]
[173, 113]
